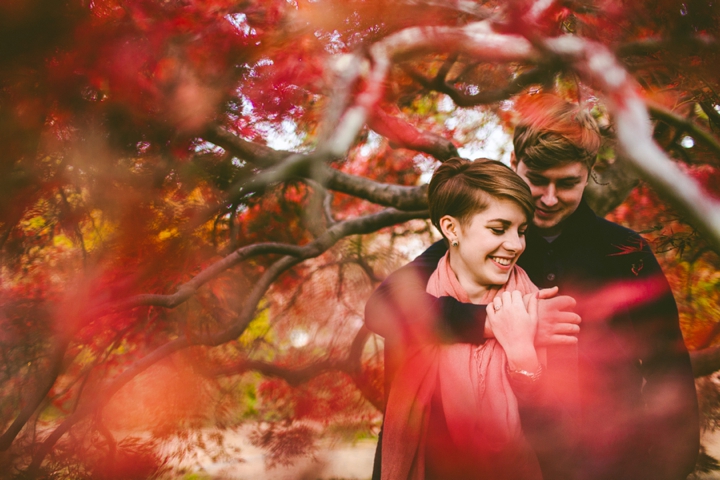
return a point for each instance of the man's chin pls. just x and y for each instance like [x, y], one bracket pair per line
[547, 226]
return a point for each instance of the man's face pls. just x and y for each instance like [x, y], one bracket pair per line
[556, 192]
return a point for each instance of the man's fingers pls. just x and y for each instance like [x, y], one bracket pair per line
[547, 293]
[567, 329]
[561, 340]
[560, 302]
[565, 317]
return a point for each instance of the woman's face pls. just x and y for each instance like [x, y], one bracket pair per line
[489, 243]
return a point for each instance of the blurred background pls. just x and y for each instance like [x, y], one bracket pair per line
[191, 223]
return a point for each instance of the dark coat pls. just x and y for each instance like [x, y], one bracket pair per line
[637, 414]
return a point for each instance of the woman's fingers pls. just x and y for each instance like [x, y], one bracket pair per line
[497, 303]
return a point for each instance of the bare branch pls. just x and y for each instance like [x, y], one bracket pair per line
[616, 182]
[404, 135]
[462, 6]
[189, 288]
[634, 133]
[356, 226]
[294, 376]
[694, 45]
[706, 361]
[400, 197]
[462, 99]
[44, 384]
[696, 131]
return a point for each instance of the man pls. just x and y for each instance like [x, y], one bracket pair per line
[631, 408]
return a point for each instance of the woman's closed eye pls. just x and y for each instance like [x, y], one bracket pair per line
[498, 230]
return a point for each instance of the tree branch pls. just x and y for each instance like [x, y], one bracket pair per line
[404, 135]
[706, 361]
[696, 131]
[55, 362]
[400, 197]
[294, 376]
[695, 45]
[355, 226]
[462, 99]
[598, 66]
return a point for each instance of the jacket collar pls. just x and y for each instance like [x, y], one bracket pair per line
[580, 224]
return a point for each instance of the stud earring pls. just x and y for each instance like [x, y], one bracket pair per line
[454, 243]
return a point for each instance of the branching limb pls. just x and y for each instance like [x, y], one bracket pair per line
[616, 183]
[696, 131]
[634, 133]
[694, 45]
[712, 114]
[400, 197]
[462, 99]
[706, 361]
[294, 376]
[55, 362]
[355, 226]
[109, 438]
[404, 135]
[189, 288]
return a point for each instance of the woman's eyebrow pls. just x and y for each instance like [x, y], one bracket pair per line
[501, 220]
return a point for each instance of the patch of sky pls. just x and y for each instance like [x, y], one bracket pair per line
[239, 21]
[427, 166]
[445, 104]
[333, 44]
[299, 338]
[491, 141]
[208, 147]
[372, 143]
[282, 136]
[480, 134]
[252, 68]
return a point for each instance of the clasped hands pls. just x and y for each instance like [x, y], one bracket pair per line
[556, 323]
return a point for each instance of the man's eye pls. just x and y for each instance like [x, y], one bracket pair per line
[537, 181]
[567, 185]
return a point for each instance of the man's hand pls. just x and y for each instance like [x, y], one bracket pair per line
[558, 324]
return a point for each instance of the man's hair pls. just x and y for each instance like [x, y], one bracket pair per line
[553, 133]
[461, 188]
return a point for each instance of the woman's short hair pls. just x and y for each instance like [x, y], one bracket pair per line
[552, 133]
[461, 188]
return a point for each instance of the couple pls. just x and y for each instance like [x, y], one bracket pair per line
[489, 378]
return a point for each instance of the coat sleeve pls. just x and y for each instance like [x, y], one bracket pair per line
[671, 421]
[401, 301]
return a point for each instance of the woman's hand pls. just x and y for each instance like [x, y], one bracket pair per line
[514, 326]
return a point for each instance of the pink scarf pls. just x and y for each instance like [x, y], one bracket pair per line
[480, 408]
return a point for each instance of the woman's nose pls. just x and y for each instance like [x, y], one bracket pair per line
[513, 242]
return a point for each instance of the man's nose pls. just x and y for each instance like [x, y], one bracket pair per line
[549, 197]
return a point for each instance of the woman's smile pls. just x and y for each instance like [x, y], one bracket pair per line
[488, 245]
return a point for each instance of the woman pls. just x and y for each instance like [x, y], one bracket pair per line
[452, 411]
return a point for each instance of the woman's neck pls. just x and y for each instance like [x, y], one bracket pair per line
[475, 291]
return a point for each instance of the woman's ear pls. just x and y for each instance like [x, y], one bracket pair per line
[450, 228]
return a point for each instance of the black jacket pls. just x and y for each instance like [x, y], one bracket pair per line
[637, 414]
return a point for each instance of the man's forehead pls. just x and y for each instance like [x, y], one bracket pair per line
[566, 171]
